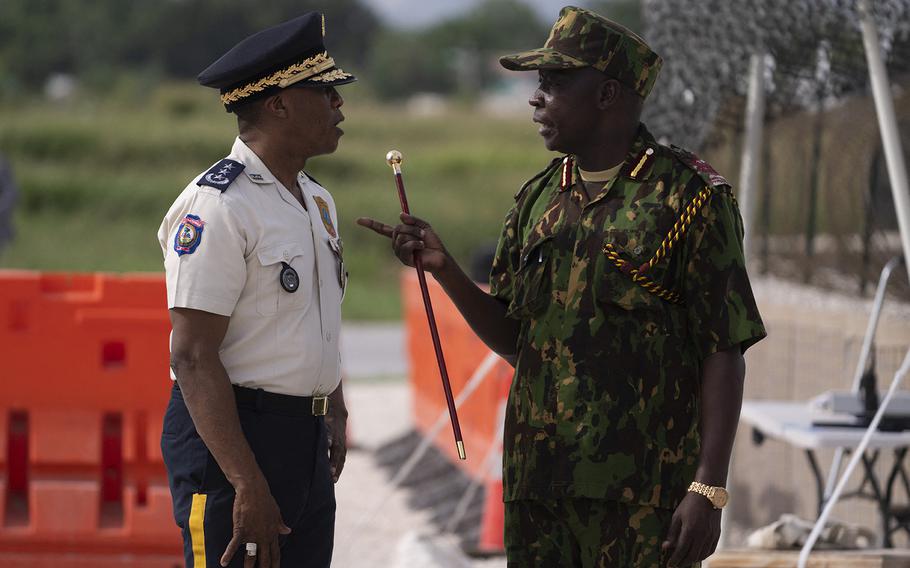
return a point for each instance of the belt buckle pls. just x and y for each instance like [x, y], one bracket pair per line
[320, 405]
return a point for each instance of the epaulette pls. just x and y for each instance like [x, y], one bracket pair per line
[699, 166]
[539, 175]
[222, 174]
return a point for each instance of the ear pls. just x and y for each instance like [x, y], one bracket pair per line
[275, 105]
[608, 93]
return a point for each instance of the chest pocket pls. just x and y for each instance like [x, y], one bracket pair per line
[620, 289]
[533, 279]
[271, 297]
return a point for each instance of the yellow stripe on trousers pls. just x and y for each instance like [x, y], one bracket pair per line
[197, 529]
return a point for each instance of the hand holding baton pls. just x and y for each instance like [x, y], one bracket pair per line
[394, 159]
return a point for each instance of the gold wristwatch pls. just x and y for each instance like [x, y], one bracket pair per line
[718, 496]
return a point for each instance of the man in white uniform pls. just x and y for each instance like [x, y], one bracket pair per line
[254, 434]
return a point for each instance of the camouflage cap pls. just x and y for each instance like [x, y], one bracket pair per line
[581, 38]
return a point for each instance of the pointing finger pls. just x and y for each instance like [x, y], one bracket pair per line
[375, 226]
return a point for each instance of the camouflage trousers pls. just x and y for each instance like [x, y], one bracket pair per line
[586, 533]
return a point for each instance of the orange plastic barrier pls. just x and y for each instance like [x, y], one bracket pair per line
[479, 415]
[464, 352]
[84, 367]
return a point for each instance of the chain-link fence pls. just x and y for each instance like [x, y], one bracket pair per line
[824, 211]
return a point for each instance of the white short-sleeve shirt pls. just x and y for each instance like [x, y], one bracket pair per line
[226, 243]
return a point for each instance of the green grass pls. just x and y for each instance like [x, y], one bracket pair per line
[96, 177]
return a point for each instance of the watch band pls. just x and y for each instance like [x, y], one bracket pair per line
[708, 491]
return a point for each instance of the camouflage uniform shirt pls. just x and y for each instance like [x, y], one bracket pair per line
[605, 399]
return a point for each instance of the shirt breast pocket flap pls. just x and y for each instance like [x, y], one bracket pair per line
[532, 280]
[618, 287]
[292, 264]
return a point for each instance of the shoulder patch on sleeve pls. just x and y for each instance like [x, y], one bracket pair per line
[188, 235]
[701, 167]
[539, 175]
[222, 174]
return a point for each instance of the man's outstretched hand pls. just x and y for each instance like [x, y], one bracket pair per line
[412, 235]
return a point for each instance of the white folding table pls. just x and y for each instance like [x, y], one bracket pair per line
[792, 423]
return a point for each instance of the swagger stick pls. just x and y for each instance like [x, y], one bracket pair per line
[394, 160]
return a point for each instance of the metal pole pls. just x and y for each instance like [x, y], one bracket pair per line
[764, 223]
[752, 149]
[887, 124]
[865, 350]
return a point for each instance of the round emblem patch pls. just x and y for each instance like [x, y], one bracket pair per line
[288, 278]
[189, 235]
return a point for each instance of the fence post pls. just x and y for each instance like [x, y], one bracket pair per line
[815, 175]
[752, 148]
[887, 123]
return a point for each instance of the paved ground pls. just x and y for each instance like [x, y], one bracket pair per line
[375, 526]
[373, 350]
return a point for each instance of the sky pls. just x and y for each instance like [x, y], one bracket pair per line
[419, 13]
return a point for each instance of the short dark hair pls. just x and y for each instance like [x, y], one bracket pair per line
[248, 113]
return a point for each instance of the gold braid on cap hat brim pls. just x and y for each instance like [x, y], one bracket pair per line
[333, 75]
[285, 77]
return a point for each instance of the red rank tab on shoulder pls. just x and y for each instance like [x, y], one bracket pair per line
[703, 168]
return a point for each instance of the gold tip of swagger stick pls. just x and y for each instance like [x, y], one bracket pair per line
[393, 157]
[460, 445]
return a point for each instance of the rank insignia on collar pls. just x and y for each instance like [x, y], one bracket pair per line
[325, 215]
[222, 174]
[642, 161]
[566, 182]
[189, 235]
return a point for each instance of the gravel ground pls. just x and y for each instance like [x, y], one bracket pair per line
[371, 350]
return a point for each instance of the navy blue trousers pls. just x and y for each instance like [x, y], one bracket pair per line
[292, 452]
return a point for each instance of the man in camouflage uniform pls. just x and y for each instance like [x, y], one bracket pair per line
[620, 293]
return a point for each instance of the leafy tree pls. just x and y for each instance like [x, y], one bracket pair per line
[464, 47]
[178, 37]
